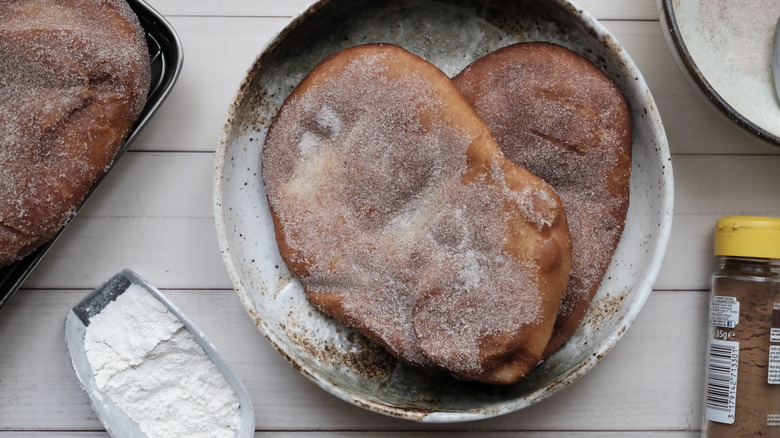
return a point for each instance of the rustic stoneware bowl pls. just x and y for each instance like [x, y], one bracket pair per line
[451, 34]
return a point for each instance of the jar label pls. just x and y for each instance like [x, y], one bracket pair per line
[773, 377]
[724, 311]
[774, 331]
[722, 381]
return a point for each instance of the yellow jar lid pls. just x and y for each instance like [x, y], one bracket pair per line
[748, 236]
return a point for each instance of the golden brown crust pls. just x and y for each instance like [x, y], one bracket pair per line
[395, 208]
[556, 114]
[75, 74]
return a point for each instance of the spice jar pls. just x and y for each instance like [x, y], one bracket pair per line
[742, 386]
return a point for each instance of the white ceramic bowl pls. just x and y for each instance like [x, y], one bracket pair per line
[451, 35]
[724, 50]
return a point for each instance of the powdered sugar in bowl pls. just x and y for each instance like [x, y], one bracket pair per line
[149, 372]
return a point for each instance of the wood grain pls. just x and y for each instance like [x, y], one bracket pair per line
[665, 347]
[154, 214]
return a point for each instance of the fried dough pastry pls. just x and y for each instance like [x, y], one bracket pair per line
[74, 75]
[557, 115]
[400, 216]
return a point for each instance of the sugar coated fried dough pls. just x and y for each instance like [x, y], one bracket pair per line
[395, 208]
[559, 116]
[74, 75]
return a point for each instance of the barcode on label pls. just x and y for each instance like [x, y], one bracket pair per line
[722, 380]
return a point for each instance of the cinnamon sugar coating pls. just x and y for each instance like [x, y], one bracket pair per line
[74, 75]
[557, 115]
[400, 216]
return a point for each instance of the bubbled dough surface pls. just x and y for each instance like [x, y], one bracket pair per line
[74, 75]
[394, 207]
[556, 114]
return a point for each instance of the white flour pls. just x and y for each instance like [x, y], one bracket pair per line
[153, 369]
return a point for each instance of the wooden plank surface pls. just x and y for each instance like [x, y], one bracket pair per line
[218, 53]
[154, 214]
[649, 381]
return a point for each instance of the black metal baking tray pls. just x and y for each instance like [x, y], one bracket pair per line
[165, 54]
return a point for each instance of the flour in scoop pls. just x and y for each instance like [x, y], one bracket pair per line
[154, 370]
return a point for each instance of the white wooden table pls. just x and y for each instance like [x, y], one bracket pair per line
[154, 214]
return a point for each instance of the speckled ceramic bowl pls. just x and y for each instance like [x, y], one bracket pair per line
[724, 50]
[451, 35]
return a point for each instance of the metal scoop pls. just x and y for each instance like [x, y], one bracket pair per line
[117, 423]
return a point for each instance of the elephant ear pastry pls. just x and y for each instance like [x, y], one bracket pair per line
[395, 208]
[557, 115]
[74, 76]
